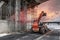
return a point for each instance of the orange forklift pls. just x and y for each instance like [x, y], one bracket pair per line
[39, 26]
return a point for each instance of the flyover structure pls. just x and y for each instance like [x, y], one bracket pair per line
[10, 8]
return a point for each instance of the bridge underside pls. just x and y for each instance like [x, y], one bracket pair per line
[6, 10]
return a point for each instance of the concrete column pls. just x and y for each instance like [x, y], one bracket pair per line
[17, 11]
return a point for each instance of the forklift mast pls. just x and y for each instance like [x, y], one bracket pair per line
[40, 16]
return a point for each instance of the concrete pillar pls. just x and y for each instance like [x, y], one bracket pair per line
[17, 11]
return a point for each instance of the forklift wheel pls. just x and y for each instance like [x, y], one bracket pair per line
[42, 31]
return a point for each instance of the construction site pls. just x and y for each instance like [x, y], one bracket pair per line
[29, 20]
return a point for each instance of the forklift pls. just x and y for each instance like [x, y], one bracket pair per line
[38, 26]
